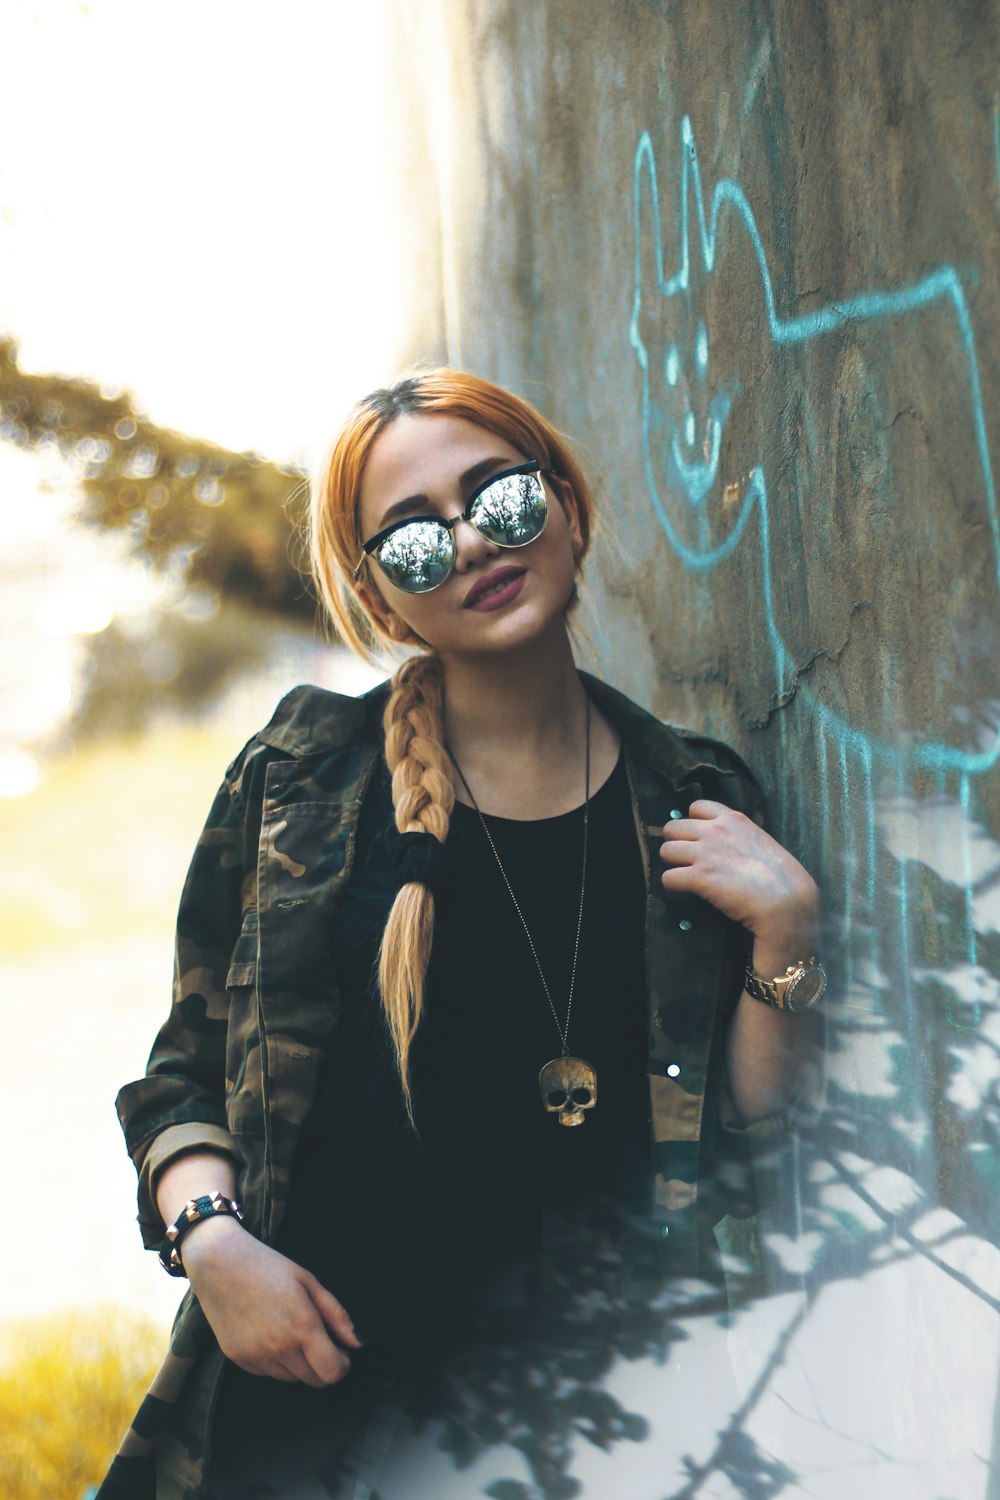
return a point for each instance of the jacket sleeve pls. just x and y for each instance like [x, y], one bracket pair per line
[180, 1104]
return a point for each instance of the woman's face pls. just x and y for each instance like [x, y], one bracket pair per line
[434, 462]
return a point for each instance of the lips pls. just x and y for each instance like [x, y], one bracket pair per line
[491, 581]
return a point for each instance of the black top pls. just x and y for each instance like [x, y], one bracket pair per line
[399, 1226]
[420, 1237]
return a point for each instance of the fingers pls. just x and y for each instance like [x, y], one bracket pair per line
[292, 1368]
[680, 846]
[686, 840]
[704, 807]
[271, 1317]
[324, 1362]
[333, 1313]
[305, 1353]
[318, 1362]
[255, 1367]
[698, 813]
[680, 851]
[316, 1359]
[680, 878]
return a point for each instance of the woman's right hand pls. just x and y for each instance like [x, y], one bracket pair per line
[269, 1315]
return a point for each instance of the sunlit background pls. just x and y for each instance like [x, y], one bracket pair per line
[196, 216]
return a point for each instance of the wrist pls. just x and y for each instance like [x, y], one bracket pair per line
[183, 1176]
[202, 1245]
[213, 1205]
[786, 938]
[771, 956]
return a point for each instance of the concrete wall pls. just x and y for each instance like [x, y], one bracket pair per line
[747, 256]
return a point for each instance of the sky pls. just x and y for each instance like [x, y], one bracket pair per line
[195, 206]
[192, 206]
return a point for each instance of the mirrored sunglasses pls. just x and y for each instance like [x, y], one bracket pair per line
[418, 554]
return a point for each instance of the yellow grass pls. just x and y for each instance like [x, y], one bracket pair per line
[69, 1387]
[99, 850]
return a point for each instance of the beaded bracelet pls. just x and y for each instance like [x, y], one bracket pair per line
[192, 1213]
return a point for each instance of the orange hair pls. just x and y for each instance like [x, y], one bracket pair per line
[422, 786]
[334, 535]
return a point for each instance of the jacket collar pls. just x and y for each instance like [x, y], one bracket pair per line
[662, 748]
[310, 720]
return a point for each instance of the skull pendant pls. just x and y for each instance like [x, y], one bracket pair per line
[569, 1087]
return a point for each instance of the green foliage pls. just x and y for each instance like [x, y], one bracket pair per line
[231, 522]
[175, 667]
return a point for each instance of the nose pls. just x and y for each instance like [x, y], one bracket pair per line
[471, 547]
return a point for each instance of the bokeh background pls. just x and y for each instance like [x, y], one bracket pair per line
[746, 255]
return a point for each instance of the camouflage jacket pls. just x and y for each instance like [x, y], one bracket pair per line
[235, 1064]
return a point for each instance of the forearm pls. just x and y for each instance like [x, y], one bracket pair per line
[190, 1176]
[727, 858]
[768, 1052]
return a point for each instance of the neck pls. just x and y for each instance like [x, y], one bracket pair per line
[528, 703]
[516, 723]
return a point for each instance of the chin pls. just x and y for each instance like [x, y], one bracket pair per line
[513, 634]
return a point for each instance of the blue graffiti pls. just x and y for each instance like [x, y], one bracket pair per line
[692, 464]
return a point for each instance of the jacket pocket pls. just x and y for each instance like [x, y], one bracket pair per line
[243, 963]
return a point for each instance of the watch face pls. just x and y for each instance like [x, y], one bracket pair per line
[805, 989]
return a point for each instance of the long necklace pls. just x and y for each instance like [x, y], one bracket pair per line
[568, 1085]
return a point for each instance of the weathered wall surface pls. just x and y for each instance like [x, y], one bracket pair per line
[747, 255]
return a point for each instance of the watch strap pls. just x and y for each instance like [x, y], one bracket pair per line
[773, 992]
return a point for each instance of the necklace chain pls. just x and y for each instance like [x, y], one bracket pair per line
[562, 1030]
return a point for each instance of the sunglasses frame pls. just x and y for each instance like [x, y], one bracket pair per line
[530, 466]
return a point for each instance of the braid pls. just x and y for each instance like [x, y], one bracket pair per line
[423, 796]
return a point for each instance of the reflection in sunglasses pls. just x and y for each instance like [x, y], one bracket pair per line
[418, 555]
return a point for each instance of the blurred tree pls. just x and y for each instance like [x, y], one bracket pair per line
[173, 665]
[232, 522]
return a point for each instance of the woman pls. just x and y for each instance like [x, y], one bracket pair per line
[424, 931]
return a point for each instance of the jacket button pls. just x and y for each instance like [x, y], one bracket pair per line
[673, 1070]
[675, 812]
[684, 925]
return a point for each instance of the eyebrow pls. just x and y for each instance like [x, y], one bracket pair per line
[468, 480]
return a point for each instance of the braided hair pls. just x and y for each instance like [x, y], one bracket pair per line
[423, 795]
[423, 791]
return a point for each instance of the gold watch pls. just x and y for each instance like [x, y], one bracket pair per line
[799, 988]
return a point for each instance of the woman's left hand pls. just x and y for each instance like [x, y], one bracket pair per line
[723, 856]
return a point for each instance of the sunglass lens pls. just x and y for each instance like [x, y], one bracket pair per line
[512, 510]
[417, 557]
